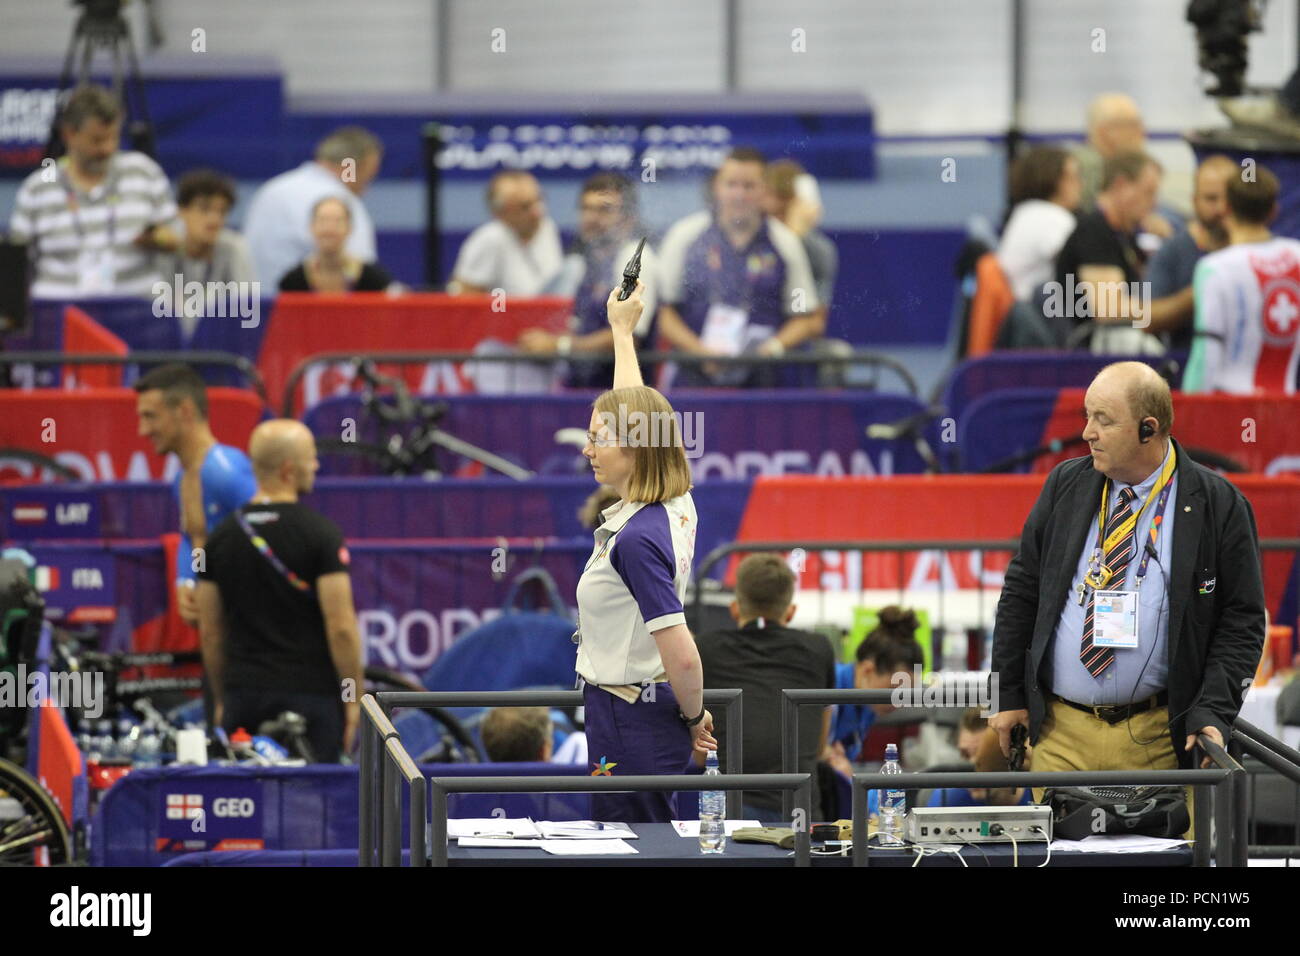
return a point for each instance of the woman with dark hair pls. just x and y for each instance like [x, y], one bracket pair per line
[1044, 190]
[890, 649]
[643, 686]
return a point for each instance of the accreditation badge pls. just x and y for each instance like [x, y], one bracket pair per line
[95, 272]
[1115, 619]
[724, 328]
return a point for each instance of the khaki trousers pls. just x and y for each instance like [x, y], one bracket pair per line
[1071, 739]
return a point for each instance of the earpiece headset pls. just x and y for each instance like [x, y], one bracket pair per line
[1145, 431]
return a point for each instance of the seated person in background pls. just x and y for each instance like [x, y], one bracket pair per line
[988, 759]
[792, 197]
[733, 279]
[1043, 196]
[279, 215]
[517, 735]
[1247, 309]
[527, 735]
[94, 227]
[608, 234]
[970, 732]
[331, 268]
[762, 656]
[1101, 263]
[208, 251]
[519, 250]
[1171, 268]
[891, 648]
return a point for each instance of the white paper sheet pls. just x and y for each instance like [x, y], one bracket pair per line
[1118, 843]
[497, 842]
[584, 830]
[492, 826]
[587, 847]
[691, 828]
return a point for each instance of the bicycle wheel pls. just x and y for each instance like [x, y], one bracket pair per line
[40, 461]
[29, 821]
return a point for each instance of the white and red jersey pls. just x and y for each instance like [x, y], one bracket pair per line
[1247, 320]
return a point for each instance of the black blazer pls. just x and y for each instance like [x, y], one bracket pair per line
[1215, 639]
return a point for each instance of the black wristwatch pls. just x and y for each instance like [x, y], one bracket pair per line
[691, 722]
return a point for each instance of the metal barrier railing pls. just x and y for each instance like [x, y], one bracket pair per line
[858, 357]
[377, 731]
[146, 357]
[380, 798]
[1229, 775]
[798, 783]
[1249, 740]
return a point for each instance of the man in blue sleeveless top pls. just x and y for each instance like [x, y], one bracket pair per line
[214, 479]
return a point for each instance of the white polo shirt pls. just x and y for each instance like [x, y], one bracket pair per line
[494, 258]
[633, 585]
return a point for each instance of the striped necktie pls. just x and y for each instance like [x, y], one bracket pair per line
[1097, 659]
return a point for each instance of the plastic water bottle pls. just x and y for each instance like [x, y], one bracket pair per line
[148, 752]
[713, 811]
[893, 802]
[105, 745]
[128, 737]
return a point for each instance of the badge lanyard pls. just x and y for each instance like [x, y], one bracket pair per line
[1099, 576]
[74, 207]
[272, 558]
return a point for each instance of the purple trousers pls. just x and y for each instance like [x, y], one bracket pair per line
[643, 737]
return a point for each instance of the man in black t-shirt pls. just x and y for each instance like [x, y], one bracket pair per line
[762, 657]
[1101, 257]
[276, 620]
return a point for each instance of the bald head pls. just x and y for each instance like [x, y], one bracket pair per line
[1115, 124]
[1121, 399]
[1148, 393]
[283, 453]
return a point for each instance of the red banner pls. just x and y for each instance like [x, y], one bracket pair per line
[949, 508]
[95, 431]
[307, 323]
[1259, 432]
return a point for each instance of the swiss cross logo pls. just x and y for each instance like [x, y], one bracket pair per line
[1281, 311]
[184, 806]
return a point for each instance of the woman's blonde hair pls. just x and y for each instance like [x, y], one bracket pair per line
[642, 420]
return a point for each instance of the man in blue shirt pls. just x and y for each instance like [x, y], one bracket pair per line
[1132, 616]
[214, 479]
[734, 280]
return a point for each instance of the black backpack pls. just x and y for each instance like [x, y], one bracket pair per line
[1079, 812]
